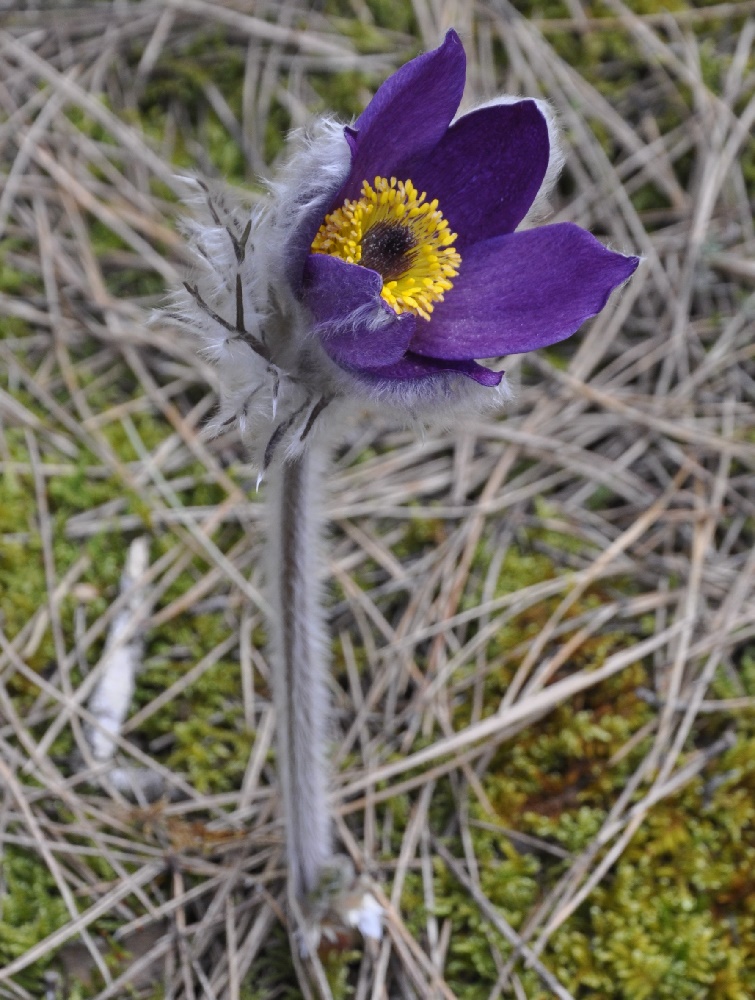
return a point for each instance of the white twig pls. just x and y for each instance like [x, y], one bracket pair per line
[121, 662]
[111, 699]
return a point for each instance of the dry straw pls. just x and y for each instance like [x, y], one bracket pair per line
[650, 420]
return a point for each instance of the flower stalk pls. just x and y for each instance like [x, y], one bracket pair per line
[323, 888]
[300, 662]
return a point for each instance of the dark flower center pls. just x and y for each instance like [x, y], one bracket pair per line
[387, 248]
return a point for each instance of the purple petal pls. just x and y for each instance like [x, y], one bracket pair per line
[414, 366]
[408, 115]
[486, 170]
[300, 244]
[357, 328]
[522, 291]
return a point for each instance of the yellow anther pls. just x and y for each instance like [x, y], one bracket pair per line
[394, 230]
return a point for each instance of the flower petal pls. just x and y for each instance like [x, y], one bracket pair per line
[414, 366]
[556, 156]
[354, 324]
[522, 291]
[407, 116]
[487, 170]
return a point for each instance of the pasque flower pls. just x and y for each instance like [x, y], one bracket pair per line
[417, 269]
[390, 258]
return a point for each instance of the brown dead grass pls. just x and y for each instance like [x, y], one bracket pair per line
[652, 412]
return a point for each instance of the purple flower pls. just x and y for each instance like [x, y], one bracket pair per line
[387, 261]
[417, 269]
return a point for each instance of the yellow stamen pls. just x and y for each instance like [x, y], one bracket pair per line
[393, 230]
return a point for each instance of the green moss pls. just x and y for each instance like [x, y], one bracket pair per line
[12, 281]
[394, 14]
[30, 910]
[15, 281]
[213, 757]
[675, 917]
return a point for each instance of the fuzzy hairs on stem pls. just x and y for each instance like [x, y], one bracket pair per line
[326, 897]
[300, 653]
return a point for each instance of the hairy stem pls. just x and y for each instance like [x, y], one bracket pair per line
[300, 663]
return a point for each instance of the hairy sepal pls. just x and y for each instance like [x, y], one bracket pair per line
[240, 300]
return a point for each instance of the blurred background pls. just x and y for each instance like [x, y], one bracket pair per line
[543, 625]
